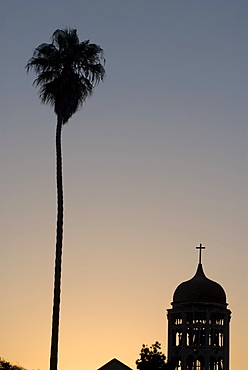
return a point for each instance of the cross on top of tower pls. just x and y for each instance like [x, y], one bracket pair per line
[200, 252]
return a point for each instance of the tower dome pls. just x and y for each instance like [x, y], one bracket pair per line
[198, 324]
[199, 289]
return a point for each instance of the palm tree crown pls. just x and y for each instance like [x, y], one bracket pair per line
[67, 71]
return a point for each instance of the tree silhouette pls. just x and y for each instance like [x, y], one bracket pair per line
[151, 358]
[5, 365]
[67, 71]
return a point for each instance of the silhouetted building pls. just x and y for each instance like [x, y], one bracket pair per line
[114, 365]
[198, 324]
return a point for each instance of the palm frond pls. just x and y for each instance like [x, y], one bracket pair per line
[67, 71]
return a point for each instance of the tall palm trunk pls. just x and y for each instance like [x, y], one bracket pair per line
[58, 253]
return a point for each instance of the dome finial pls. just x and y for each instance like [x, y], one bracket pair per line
[201, 247]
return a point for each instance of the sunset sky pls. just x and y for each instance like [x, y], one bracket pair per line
[154, 164]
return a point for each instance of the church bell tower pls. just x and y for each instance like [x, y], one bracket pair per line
[198, 324]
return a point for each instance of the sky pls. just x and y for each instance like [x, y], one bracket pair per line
[154, 164]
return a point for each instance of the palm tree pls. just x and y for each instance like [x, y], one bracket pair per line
[67, 71]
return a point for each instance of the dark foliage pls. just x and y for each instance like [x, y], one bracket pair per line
[151, 358]
[67, 71]
[5, 365]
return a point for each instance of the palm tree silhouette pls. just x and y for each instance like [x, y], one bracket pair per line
[67, 71]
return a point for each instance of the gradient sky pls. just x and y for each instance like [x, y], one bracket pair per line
[154, 164]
